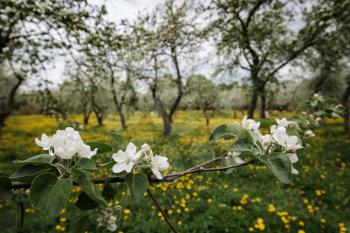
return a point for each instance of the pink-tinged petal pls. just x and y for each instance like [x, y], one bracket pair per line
[119, 156]
[119, 167]
[131, 148]
[129, 166]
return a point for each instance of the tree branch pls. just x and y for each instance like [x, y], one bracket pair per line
[168, 178]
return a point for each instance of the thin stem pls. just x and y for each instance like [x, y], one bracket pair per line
[156, 203]
[20, 216]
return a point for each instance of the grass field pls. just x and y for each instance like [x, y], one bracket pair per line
[250, 199]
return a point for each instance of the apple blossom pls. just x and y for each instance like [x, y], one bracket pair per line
[65, 144]
[126, 159]
[159, 164]
[250, 124]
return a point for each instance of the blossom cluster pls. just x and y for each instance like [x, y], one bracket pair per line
[65, 144]
[108, 218]
[131, 158]
[278, 139]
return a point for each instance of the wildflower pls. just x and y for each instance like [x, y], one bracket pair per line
[272, 208]
[126, 159]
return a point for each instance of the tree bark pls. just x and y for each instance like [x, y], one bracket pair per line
[263, 106]
[346, 105]
[99, 117]
[86, 117]
[178, 84]
[122, 118]
[6, 112]
[165, 117]
[206, 115]
[253, 101]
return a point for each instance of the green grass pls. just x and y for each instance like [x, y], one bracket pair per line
[249, 199]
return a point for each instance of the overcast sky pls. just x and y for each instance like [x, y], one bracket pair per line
[117, 10]
[128, 9]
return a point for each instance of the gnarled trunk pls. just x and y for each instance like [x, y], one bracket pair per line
[263, 106]
[346, 105]
[122, 118]
[253, 101]
[8, 108]
[86, 117]
[165, 117]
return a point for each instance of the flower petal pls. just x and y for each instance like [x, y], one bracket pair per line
[129, 166]
[131, 148]
[119, 167]
[156, 172]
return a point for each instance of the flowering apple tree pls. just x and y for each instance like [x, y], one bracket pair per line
[48, 179]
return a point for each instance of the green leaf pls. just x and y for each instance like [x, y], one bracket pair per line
[229, 132]
[228, 162]
[264, 123]
[243, 145]
[86, 164]
[84, 202]
[82, 223]
[37, 160]
[108, 191]
[280, 166]
[50, 194]
[101, 147]
[79, 172]
[28, 172]
[120, 140]
[138, 184]
[5, 188]
[91, 190]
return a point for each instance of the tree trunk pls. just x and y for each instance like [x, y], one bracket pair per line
[86, 117]
[8, 108]
[3, 117]
[347, 120]
[206, 115]
[122, 118]
[263, 106]
[165, 117]
[253, 101]
[99, 117]
[346, 105]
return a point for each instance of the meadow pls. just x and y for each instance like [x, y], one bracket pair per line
[250, 199]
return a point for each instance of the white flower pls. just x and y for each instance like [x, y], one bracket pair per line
[309, 133]
[126, 159]
[159, 163]
[295, 171]
[145, 148]
[283, 122]
[280, 135]
[45, 142]
[266, 140]
[112, 227]
[250, 124]
[85, 151]
[235, 156]
[293, 158]
[65, 144]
